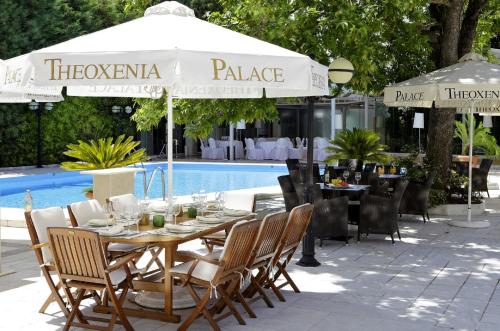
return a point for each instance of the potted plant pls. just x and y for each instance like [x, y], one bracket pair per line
[484, 142]
[362, 145]
[89, 192]
[103, 153]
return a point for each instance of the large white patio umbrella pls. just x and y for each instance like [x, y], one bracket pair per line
[170, 49]
[472, 84]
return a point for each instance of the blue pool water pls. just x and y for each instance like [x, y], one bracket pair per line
[60, 189]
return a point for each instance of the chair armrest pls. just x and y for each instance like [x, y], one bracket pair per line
[40, 245]
[193, 256]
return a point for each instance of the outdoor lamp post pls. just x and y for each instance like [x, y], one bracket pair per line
[340, 72]
[38, 107]
[418, 123]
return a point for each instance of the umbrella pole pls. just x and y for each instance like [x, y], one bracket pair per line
[170, 135]
[469, 223]
[308, 259]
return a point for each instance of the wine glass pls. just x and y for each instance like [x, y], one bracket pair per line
[177, 211]
[345, 175]
[108, 211]
[357, 176]
[220, 200]
[202, 200]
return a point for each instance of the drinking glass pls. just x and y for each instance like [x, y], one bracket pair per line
[202, 201]
[345, 175]
[357, 176]
[108, 211]
[177, 211]
[220, 200]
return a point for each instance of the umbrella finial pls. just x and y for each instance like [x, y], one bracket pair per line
[473, 57]
[170, 8]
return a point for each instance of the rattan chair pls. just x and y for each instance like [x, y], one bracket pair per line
[480, 176]
[37, 223]
[218, 274]
[82, 265]
[289, 194]
[298, 221]
[415, 200]
[379, 215]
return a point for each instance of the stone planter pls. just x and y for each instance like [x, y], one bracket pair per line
[457, 209]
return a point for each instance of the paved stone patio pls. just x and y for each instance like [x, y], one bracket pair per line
[438, 278]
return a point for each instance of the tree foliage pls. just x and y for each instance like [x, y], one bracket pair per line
[104, 153]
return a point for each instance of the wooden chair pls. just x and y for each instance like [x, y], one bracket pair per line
[82, 265]
[298, 221]
[219, 274]
[37, 223]
[234, 200]
[272, 230]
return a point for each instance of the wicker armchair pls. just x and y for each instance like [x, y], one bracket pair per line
[329, 217]
[415, 199]
[480, 176]
[289, 194]
[379, 215]
[292, 164]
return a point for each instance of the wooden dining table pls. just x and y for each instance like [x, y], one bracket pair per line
[169, 243]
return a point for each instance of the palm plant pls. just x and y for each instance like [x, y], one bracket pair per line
[360, 144]
[103, 153]
[482, 139]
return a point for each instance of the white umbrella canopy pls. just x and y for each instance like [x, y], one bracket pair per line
[16, 85]
[169, 48]
[471, 85]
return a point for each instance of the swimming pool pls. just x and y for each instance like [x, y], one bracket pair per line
[60, 189]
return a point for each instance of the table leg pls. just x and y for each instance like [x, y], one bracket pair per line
[169, 281]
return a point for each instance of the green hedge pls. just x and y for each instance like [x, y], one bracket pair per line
[75, 118]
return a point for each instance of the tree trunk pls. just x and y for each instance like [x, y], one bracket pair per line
[440, 146]
[469, 24]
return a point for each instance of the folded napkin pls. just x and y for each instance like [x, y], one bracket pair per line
[111, 231]
[209, 219]
[235, 212]
[101, 222]
[179, 228]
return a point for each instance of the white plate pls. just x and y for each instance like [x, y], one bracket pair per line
[112, 231]
[100, 222]
[175, 228]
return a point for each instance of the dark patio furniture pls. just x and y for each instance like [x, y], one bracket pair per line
[415, 199]
[292, 164]
[379, 215]
[369, 167]
[480, 176]
[289, 194]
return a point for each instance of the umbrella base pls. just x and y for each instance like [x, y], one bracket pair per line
[469, 224]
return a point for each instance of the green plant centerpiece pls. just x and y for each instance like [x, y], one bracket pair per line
[362, 145]
[484, 142]
[104, 153]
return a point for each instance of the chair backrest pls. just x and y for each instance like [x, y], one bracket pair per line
[430, 180]
[369, 167]
[239, 200]
[211, 143]
[82, 212]
[289, 194]
[272, 229]
[486, 164]
[238, 247]
[299, 142]
[292, 164]
[317, 194]
[78, 254]
[37, 222]
[399, 190]
[202, 144]
[303, 172]
[283, 143]
[322, 142]
[299, 219]
[250, 143]
[121, 202]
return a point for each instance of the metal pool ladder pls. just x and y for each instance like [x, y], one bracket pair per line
[147, 183]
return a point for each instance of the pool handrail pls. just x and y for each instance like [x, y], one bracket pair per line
[153, 174]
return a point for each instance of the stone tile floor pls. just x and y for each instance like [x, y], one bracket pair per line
[438, 278]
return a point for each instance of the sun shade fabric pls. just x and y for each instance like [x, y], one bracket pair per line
[195, 59]
[472, 78]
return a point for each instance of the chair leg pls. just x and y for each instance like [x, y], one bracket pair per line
[54, 288]
[210, 248]
[117, 305]
[230, 305]
[262, 293]
[399, 234]
[392, 238]
[488, 192]
[428, 218]
[423, 216]
[75, 310]
[200, 307]
[321, 243]
[359, 235]
[276, 290]
[288, 278]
